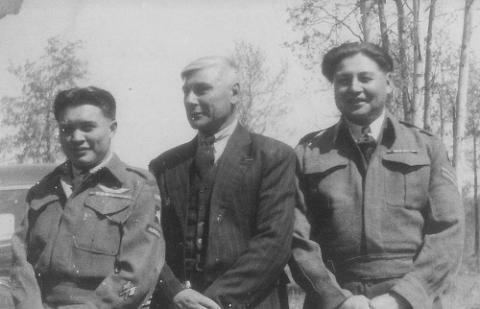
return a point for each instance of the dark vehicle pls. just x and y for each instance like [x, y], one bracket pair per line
[15, 180]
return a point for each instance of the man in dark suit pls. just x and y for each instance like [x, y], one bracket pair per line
[227, 199]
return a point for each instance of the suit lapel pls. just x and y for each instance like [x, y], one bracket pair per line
[178, 180]
[232, 164]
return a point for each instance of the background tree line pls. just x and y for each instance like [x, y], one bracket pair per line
[437, 80]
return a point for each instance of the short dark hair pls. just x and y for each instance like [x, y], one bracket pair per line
[333, 57]
[87, 95]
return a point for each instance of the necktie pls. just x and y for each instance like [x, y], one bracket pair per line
[367, 143]
[205, 156]
[78, 181]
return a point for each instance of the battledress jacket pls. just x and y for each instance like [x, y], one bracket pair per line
[101, 247]
[398, 219]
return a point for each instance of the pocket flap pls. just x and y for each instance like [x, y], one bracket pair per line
[112, 207]
[407, 158]
[36, 204]
[321, 163]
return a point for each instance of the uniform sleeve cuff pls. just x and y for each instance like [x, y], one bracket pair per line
[413, 292]
[168, 284]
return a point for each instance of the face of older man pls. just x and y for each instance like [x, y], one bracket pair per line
[361, 89]
[210, 95]
[85, 135]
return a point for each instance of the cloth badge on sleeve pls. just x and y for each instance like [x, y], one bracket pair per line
[154, 231]
[449, 175]
[128, 290]
[157, 216]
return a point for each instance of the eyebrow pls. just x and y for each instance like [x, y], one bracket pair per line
[197, 84]
[61, 123]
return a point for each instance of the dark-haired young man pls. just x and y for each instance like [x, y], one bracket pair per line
[380, 195]
[92, 231]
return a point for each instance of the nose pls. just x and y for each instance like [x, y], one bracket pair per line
[355, 85]
[191, 98]
[77, 136]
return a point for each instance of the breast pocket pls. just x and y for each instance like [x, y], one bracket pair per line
[324, 177]
[407, 177]
[99, 230]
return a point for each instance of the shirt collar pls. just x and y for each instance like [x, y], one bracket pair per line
[375, 127]
[223, 134]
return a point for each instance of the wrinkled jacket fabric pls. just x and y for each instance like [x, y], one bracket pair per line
[250, 222]
[400, 217]
[102, 247]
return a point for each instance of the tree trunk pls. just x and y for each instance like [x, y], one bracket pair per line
[366, 11]
[428, 67]
[475, 201]
[418, 66]
[442, 120]
[461, 100]
[403, 60]
[383, 25]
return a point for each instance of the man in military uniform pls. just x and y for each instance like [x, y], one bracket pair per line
[228, 201]
[380, 196]
[93, 230]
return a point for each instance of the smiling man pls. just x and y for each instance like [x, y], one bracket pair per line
[93, 232]
[380, 196]
[228, 200]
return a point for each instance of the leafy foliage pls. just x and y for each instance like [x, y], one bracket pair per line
[261, 91]
[28, 118]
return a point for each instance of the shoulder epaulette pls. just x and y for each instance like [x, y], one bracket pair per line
[410, 125]
[43, 185]
[310, 136]
[140, 172]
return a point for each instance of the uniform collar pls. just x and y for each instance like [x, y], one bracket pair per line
[111, 165]
[385, 128]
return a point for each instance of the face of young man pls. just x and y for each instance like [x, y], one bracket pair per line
[209, 98]
[85, 135]
[361, 89]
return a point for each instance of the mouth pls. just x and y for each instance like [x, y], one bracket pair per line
[195, 115]
[79, 150]
[357, 101]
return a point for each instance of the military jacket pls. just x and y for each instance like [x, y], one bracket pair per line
[101, 247]
[400, 216]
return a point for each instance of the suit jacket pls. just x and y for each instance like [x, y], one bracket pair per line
[250, 221]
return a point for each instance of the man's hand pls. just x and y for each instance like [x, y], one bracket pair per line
[356, 302]
[389, 301]
[191, 299]
[25, 290]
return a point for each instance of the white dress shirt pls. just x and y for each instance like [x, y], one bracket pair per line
[221, 139]
[375, 128]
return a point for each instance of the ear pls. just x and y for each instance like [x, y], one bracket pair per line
[389, 82]
[235, 93]
[113, 127]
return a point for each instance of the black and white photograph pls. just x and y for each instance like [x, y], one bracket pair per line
[227, 154]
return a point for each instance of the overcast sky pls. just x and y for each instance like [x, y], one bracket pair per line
[136, 49]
